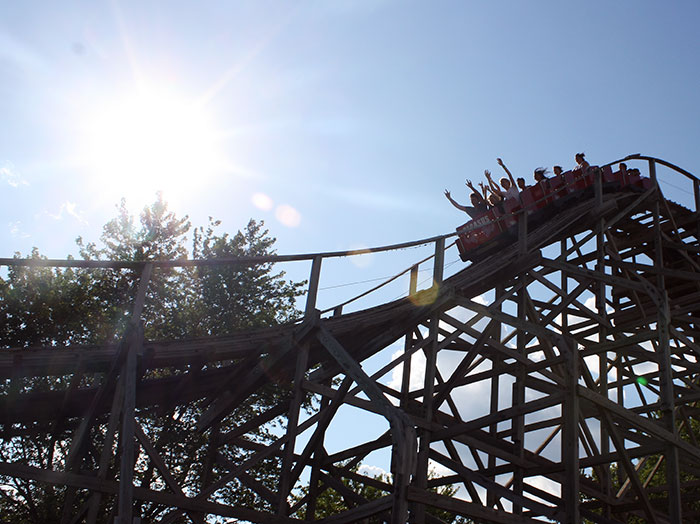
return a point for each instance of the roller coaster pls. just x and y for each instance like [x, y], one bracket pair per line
[552, 379]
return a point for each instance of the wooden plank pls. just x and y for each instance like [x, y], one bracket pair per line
[324, 420]
[159, 497]
[403, 433]
[359, 513]
[645, 424]
[467, 509]
[570, 435]
[255, 422]
[285, 483]
[252, 378]
[575, 271]
[106, 453]
[537, 507]
[312, 290]
[125, 499]
[628, 467]
[501, 415]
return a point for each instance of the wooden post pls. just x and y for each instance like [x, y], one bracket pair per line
[106, 454]
[408, 342]
[292, 430]
[402, 432]
[313, 287]
[126, 438]
[439, 267]
[570, 439]
[564, 287]
[696, 199]
[316, 465]
[127, 446]
[668, 410]
[491, 495]
[429, 386]
[518, 392]
[602, 334]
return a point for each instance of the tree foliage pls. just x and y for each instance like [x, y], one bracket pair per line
[330, 501]
[651, 470]
[64, 306]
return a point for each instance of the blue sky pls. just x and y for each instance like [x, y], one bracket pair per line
[344, 120]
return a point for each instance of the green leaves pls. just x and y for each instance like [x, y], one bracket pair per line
[55, 306]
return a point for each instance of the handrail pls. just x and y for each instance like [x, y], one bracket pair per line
[638, 156]
[245, 260]
[388, 281]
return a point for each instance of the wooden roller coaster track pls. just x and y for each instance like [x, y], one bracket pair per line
[559, 382]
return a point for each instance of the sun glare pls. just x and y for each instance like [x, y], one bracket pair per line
[151, 142]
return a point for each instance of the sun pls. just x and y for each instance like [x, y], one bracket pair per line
[151, 140]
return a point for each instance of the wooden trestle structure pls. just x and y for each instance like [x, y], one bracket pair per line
[561, 384]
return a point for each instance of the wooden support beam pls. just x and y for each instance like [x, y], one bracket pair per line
[126, 436]
[286, 482]
[570, 436]
[467, 509]
[324, 420]
[403, 433]
[158, 497]
[668, 411]
[538, 508]
[106, 454]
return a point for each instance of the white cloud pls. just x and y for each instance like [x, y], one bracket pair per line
[437, 470]
[372, 471]
[546, 485]
[417, 371]
[10, 176]
[16, 230]
[68, 209]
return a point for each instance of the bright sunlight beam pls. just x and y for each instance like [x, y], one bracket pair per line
[151, 141]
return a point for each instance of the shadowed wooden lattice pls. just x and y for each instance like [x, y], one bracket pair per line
[559, 385]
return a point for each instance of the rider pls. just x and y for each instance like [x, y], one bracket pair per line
[478, 207]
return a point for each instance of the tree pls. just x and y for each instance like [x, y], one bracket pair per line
[331, 502]
[57, 307]
[651, 470]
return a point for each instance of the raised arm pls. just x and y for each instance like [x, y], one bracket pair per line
[493, 187]
[452, 201]
[484, 190]
[512, 181]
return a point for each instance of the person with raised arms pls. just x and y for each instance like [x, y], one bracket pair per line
[478, 207]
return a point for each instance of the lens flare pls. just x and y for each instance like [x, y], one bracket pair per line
[425, 297]
[361, 261]
[289, 216]
[262, 201]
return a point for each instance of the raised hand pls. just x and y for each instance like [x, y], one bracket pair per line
[499, 162]
[447, 194]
